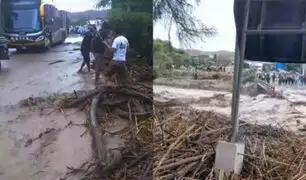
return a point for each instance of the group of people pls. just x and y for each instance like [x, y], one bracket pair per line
[284, 79]
[78, 30]
[109, 49]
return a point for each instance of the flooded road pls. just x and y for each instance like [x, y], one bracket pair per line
[261, 109]
[34, 74]
[36, 145]
[40, 143]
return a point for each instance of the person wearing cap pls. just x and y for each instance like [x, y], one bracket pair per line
[85, 48]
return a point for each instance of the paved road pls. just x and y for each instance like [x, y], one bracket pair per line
[30, 74]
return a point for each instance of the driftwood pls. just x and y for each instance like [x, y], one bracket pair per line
[100, 141]
[80, 100]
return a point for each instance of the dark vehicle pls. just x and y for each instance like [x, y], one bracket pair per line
[31, 23]
[4, 54]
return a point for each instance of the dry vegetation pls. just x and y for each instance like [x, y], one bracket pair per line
[186, 141]
[171, 142]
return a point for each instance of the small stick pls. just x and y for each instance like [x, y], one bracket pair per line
[181, 162]
[210, 174]
[172, 146]
[296, 157]
[299, 173]
[187, 168]
[130, 111]
[270, 160]
[137, 125]
[271, 170]
[302, 159]
[302, 177]
[199, 166]
[256, 167]
[134, 163]
[85, 132]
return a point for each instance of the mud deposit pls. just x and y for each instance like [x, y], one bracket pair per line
[41, 143]
[261, 109]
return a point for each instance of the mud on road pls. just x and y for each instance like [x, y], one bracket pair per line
[40, 143]
[288, 113]
[36, 74]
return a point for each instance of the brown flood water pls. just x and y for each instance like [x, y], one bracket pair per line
[47, 157]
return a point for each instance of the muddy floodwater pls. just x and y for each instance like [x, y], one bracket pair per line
[40, 143]
[263, 110]
[37, 74]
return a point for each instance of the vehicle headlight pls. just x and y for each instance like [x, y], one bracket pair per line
[40, 38]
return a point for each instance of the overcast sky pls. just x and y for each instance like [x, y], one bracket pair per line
[75, 5]
[217, 13]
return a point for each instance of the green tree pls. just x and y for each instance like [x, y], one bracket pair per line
[165, 54]
[135, 18]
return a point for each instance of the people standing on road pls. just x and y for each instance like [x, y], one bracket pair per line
[118, 64]
[280, 79]
[85, 48]
[273, 78]
[98, 48]
[268, 78]
[195, 75]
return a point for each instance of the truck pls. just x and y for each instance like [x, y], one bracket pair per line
[33, 24]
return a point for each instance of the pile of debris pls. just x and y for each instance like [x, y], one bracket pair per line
[203, 75]
[186, 140]
[182, 143]
[171, 142]
[131, 103]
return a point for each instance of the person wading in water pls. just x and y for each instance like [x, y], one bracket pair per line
[118, 64]
[98, 49]
[85, 48]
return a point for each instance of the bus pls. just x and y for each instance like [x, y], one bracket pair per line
[33, 24]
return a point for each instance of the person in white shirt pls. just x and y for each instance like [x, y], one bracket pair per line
[118, 65]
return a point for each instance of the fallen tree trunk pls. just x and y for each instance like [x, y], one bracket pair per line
[109, 159]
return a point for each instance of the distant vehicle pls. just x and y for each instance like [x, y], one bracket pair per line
[32, 23]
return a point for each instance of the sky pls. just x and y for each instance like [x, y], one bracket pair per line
[216, 13]
[75, 5]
